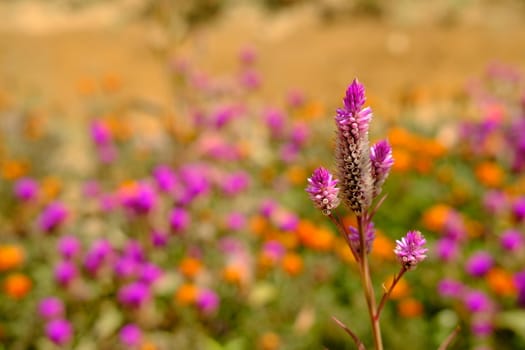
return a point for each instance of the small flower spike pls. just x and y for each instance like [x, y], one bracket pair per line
[323, 191]
[352, 150]
[382, 161]
[370, 235]
[410, 249]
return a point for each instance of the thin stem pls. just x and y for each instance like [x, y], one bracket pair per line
[386, 294]
[367, 283]
[449, 339]
[357, 341]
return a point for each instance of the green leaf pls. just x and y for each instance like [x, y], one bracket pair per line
[513, 320]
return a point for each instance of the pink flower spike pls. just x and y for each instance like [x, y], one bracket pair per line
[410, 249]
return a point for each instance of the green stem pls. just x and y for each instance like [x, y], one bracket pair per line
[362, 225]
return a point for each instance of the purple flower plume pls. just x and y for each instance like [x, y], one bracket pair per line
[323, 191]
[410, 249]
[352, 150]
[382, 161]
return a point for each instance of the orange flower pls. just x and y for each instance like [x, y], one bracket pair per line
[401, 290]
[17, 285]
[296, 175]
[410, 307]
[402, 160]
[292, 263]
[233, 274]
[11, 256]
[311, 111]
[111, 82]
[490, 174]
[86, 86]
[269, 341]
[399, 137]
[435, 217]
[501, 282]
[187, 294]
[383, 247]
[190, 267]
[148, 346]
[258, 224]
[14, 169]
[51, 187]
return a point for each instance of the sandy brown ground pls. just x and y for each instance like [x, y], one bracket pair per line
[49, 53]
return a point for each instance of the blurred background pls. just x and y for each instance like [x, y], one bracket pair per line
[154, 156]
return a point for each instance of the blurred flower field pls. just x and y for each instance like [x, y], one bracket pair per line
[190, 228]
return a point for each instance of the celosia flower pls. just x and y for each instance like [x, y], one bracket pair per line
[236, 221]
[352, 150]
[159, 238]
[165, 178]
[511, 240]
[59, 331]
[370, 235]
[52, 216]
[479, 264]
[410, 249]
[323, 191]
[207, 301]
[134, 294]
[139, 199]
[179, 219]
[65, 272]
[100, 133]
[518, 209]
[446, 249]
[477, 301]
[68, 246]
[130, 335]
[149, 273]
[450, 288]
[51, 308]
[26, 189]
[235, 183]
[382, 161]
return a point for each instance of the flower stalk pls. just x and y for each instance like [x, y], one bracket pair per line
[362, 171]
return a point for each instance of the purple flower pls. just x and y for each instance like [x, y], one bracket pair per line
[91, 189]
[352, 150]
[268, 207]
[495, 202]
[149, 273]
[139, 199]
[454, 228]
[179, 219]
[289, 152]
[134, 294]
[323, 191]
[130, 335]
[248, 55]
[477, 301]
[100, 133]
[107, 153]
[159, 238]
[68, 247]
[207, 301]
[286, 221]
[481, 326]
[250, 79]
[275, 120]
[195, 179]
[97, 255]
[518, 209]
[125, 267]
[133, 250]
[370, 235]
[410, 249]
[274, 250]
[50, 308]
[26, 189]
[450, 288]
[295, 98]
[511, 240]
[165, 178]
[235, 221]
[299, 134]
[235, 183]
[65, 272]
[479, 264]
[382, 161]
[446, 249]
[59, 331]
[519, 281]
[52, 216]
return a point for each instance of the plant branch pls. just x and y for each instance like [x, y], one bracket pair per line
[357, 341]
[446, 343]
[386, 294]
